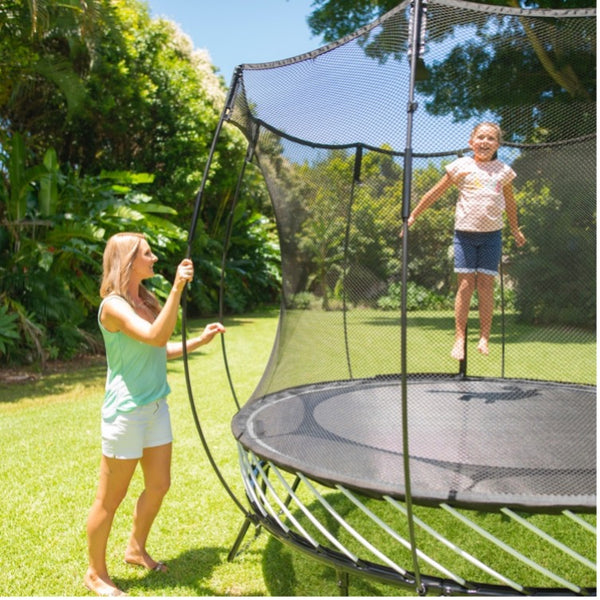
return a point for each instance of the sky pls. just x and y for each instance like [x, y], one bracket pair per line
[256, 31]
[242, 31]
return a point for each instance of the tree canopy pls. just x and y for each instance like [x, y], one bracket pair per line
[106, 120]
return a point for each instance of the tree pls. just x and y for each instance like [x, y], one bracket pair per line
[333, 19]
[89, 88]
[112, 89]
[495, 71]
[524, 73]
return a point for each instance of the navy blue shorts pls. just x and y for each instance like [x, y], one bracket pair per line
[477, 251]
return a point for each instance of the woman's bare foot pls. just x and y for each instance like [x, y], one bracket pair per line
[458, 350]
[101, 586]
[483, 347]
[146, 561]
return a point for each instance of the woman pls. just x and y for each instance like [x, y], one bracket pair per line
[485, 193]
[135, 416]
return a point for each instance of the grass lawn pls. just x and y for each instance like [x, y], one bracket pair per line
[49, 431]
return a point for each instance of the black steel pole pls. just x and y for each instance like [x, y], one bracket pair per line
[414, 45]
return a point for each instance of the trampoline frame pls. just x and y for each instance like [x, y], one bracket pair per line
[277, 515]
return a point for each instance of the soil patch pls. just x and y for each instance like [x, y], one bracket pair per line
[24, 374]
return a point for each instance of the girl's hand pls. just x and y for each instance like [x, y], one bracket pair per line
[409, 222]
[519, 238]
[185, 273]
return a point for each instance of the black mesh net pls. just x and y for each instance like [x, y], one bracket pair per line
[331, 131]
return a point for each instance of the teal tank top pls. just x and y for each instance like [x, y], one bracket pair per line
[136, 372]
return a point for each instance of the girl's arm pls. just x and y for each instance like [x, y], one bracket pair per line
[511, 214]
[175, 349]
[120, 316]
[430, 197]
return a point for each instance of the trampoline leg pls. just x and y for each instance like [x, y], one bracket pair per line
[342, 582]
[239, 539]
[462, 365]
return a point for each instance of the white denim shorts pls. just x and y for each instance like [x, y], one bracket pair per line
[127, 434]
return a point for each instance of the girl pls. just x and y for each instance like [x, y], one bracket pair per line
[485, 192]
[135, 416]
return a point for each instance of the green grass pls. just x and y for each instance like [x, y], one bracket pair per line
[49, 433]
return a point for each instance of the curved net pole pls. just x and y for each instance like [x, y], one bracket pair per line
[199, 205]
[414, 41]
[197, 209]
[249, 154]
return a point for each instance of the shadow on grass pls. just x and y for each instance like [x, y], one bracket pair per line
[191, 570]
[516, 332]
[289, 571]
[42, 385]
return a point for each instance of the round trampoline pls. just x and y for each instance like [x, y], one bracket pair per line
[477, 443]
[365, 445]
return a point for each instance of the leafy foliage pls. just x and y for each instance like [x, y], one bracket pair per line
[105, 122]
[106, 117]
[53, 265]
[417, 298]
[8, 328]
[559, 215]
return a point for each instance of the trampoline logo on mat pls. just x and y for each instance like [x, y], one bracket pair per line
[510, 394]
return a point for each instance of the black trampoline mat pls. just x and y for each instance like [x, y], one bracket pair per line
[476, 443]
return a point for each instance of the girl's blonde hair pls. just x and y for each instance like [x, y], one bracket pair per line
[119, 254]
[494, 126]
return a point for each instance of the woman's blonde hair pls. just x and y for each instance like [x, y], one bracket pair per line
[119, 254]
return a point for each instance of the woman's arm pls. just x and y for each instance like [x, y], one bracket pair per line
[511, 214]
[175, 349]
[120, 316]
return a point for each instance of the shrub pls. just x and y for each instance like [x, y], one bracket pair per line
[417, 298]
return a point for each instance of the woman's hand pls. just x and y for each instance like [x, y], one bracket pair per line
[211, 330]
[184, 274]
[409, 222]
[175, 349]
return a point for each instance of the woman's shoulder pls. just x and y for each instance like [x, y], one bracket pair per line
[113, 311]
[114, 297]
[112, 304]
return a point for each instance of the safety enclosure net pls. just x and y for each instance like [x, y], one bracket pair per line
[339, 134]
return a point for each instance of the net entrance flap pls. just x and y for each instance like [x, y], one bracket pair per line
[330, 131]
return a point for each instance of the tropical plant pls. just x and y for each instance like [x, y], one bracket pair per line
[51, 266]
[9, 331]
[91, 95]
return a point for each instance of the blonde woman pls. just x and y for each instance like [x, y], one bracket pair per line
[136, 425]
[485, 193]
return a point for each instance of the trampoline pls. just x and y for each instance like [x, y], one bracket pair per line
[478, 443]
[364, 445]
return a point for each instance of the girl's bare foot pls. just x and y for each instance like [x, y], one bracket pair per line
[458, 350]
[101, 586]
[146, 561]
[483, 347]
